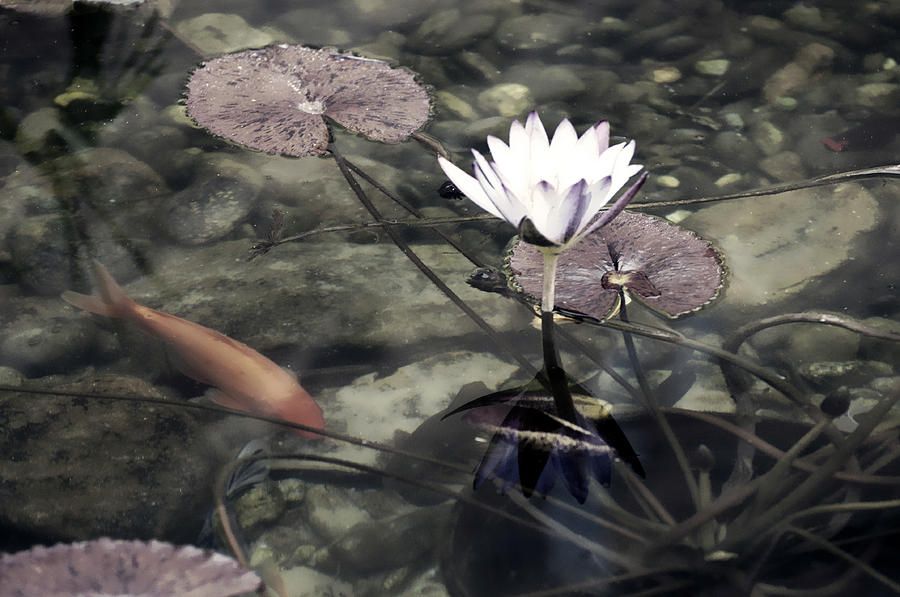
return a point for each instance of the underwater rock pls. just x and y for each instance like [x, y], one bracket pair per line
[774, 246]
[767, 137]
[46, 344]
[41, 254]
[827, 375]
[448, 30]
[302, 581]
[883, 96]
[42, 132]
[331, 511]
[533, 32]
[547, 83]
[79, 468]
[506, 99]
[412, 538]
[211, 208]
[712, 68]
[784, 166]
[218, 33]
[261, 504]
[796, 75]
[312, 293]
[376, 407]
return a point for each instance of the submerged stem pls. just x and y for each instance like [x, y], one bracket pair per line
[556, 375]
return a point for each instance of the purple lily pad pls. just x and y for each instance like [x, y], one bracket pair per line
[111, 567]
[274, 99]
[669, 269]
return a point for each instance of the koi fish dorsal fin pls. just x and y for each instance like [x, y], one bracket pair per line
[110, 301]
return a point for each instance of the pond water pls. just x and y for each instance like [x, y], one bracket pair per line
[764, 422]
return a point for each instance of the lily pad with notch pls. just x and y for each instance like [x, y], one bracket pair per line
[274, 99]
[669, 269]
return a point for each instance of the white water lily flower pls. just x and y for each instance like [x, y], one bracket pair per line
[558, 186]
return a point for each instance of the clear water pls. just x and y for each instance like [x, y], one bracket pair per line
[99, 161]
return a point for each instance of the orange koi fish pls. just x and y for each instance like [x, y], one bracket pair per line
[243, 378]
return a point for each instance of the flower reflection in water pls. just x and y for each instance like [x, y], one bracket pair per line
[532, 446]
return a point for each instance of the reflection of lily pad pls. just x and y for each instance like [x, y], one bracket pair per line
[669, 269]
[274, 99]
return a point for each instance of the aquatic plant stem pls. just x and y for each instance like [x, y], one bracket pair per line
[786, 505]
[427, 271]
[653, 409]
[556, 375]
[548, 292]
[831, 548]
[876, 172]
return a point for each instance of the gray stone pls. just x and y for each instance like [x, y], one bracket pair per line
[784, 166]
[212, 208]
[10, 377]
[46, 344]
[826, 375]
[767, 137]
[331, 511]
[413, 537]
[773, 247]
[77, 468]
[714, 68]
[878, 95]
[506, 99]
[449, 30]
[530, 32]
[42, 132]
[804, 343]
[261, 504]
[735, 148]
[547, 83]
[40, 253]
[219, 33]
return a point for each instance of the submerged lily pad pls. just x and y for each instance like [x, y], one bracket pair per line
[669, 269]
[112, 567]
[274, 99]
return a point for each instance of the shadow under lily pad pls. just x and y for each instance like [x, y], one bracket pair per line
[669, 269]
[274, 99]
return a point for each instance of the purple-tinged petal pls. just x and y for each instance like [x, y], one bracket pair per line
[566, 217]
[511, 209]
[564, 139]
[618, 206]
[602, 129]
[469, 187]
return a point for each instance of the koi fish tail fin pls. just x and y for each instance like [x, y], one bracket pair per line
[110, 301]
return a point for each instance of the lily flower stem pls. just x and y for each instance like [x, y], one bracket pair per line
[556, 375]
[548, 292]
[650, 403]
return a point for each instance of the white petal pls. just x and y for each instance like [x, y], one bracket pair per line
[564, 138]
[509, 167]
[469, 187]
[600, 196]
[569, 213]
[511, 209]
[602, 129]
[545, 200]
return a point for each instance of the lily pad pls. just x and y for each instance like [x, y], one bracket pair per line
[112, 567]
[669, 269]
[274, 99]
